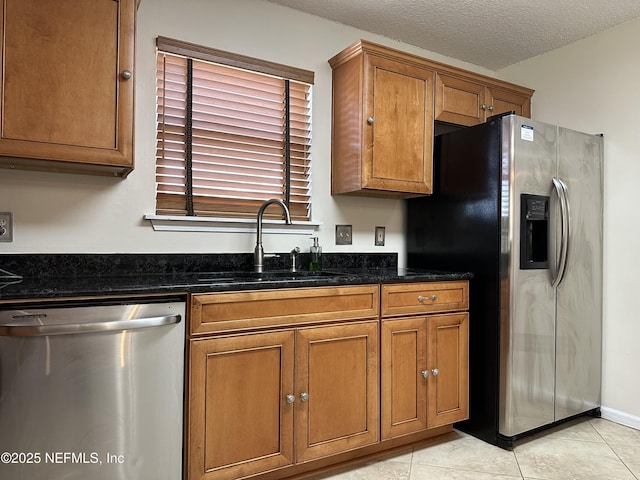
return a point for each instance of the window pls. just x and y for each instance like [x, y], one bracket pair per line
[232, 132]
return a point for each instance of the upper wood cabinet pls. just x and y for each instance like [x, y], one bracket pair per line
[384, 106]
[382, 123]
[500, 100]
[67, 88]
[468, 102]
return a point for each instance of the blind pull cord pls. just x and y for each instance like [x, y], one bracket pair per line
[189, 141]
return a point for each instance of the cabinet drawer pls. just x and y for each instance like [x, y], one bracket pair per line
[428, 297]
[221, 312]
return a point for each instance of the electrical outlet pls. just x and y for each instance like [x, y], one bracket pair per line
[6, 227]
[343, 235]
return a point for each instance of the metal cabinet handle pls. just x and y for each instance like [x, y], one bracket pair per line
[304, 397]
[483, 106]
[422, 298]
[425, 373]
[435, 372]
[291, 398]
[370, 120]
[491, 108]
[126, 74]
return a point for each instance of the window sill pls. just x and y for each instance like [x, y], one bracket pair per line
[166, 223]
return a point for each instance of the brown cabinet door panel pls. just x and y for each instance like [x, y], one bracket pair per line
[448, 362]
[336, 367]
[399, 126]
[403, 386]
[52, 99]
[503, 101]
[240, 422]
[459, 101]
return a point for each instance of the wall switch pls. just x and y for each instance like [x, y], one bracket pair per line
[379, 237]
[6, 227]
[343, 235]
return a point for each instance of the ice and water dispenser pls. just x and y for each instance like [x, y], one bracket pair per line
[534, 232]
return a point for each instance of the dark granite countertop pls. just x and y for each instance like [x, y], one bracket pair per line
[45, 277]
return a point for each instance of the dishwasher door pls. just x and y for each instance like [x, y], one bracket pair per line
[92, 392]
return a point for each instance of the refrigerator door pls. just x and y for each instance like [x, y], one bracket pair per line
[527, 325]
[579, 304]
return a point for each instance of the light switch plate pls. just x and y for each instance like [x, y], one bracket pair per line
[6, 227]
[379, 237]
[343, 235]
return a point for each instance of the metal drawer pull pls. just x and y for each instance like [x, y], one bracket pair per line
[291, 398]
[425, 373]
[304, 397]
[435, 372]
[422, 298]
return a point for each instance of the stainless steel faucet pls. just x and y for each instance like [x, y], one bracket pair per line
[294, 259]
[258, 253]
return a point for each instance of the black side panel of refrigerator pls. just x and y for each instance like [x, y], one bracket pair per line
[458, 229]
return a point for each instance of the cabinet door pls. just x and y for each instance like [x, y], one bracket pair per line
[501, 101]
[448, 362]
[398, 126]
[240, 420]
[403, 381]
[459, 101]
[337, 385]
[63, 97]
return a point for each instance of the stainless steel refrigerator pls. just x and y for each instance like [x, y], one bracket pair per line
[519, 204]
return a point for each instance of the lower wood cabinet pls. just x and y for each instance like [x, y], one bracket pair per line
[424, 373]
[262, 401]
[424, 358]
[305, 382]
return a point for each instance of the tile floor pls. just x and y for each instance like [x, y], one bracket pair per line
[585, 449]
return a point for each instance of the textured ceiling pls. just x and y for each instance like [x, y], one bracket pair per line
[488, 33]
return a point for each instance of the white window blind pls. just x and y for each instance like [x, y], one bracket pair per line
[232, 132]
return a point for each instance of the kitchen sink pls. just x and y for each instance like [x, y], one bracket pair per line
[269, 276]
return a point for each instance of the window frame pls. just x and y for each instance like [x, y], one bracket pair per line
[241, 223]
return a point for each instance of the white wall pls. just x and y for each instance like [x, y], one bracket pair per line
[592, 85]
[81, 214]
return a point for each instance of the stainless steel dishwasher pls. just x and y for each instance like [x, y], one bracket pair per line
[92, 391]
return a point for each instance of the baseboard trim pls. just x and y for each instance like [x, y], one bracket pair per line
[622, 418]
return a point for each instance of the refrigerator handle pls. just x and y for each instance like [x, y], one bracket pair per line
[562, 191]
